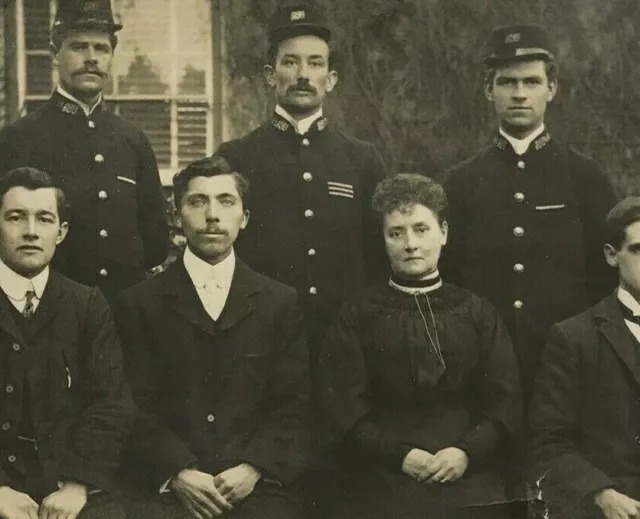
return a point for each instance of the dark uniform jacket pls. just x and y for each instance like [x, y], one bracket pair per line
[108, 171]
[215, 393]
[585, 413]
[527, 232]
[68, 366]
[311, 225]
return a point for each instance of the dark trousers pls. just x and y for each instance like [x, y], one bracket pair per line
[267, 501]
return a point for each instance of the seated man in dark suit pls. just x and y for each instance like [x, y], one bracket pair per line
[65, 407]
[585, 414]
[218, 365]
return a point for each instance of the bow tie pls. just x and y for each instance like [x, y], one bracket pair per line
[628, 314]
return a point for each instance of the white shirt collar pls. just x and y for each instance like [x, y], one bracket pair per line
[16, 286]
[85, 107]
[520, 146]
[302, 126]
[200, 271]
[629, 301]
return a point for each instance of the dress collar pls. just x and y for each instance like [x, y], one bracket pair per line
[415, 287]
[201, 272]
[16, 286]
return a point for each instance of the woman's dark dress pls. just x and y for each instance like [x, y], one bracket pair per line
[385, 391]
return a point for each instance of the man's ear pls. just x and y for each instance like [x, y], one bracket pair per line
[611, 255]
[270, 75]
[553, 89]
[245, 219]
[54, 54]
[332, 80]
[444, 227]
[62, 232]
[488, 91]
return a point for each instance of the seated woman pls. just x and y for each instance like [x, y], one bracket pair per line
[419, 378]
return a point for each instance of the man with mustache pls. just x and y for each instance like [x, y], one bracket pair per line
[527, 212]
[105, 165]
[218, 366]
[313, 227]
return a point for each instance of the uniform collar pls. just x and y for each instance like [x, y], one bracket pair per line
[534, 142]
[16, 286]
[200, 271]
[282, 121]
[70, 104]
[629, 301]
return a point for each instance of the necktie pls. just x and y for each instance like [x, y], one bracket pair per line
[628, 314]
[29, 306]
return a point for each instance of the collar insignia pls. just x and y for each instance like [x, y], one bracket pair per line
[297, 15]
[321, 123]
[67, 107]
[542, 141]
[500, 142]
[280, 124]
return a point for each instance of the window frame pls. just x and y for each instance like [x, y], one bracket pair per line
[211, 100]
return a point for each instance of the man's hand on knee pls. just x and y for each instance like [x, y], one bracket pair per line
[16, 505]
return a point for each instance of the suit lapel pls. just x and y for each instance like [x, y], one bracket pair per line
[239, 304]
[616, 333]
[7, 322]
[183, 298]
[49, 307]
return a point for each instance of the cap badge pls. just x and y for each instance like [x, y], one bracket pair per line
[297, 16]
[513, 37]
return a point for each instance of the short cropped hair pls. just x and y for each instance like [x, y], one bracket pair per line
[208, 167]
[551, 68]
[32, 179]
[624, 213]
[405, 190]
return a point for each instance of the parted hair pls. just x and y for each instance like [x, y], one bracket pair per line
[32, 179]
[207, 167]
[623, 214]
[405, 190]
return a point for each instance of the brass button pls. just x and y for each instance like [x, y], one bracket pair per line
[16, 347]
[313, 291]
[11, 458]
[102, 195]
[518, 304]
[104, 273]
[311, 252]
[99, 158]
[518, 268]
[9, 389]
[6, 426]
[521, 164]
[308, 213]
[210, 418]
[305, 142]
[518, 231]
[92, 124]
[518, 197]
[104, 233]
[307, 177]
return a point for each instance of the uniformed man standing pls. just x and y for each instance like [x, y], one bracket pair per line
[312, 226]
[527, 213]
[104, 164]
